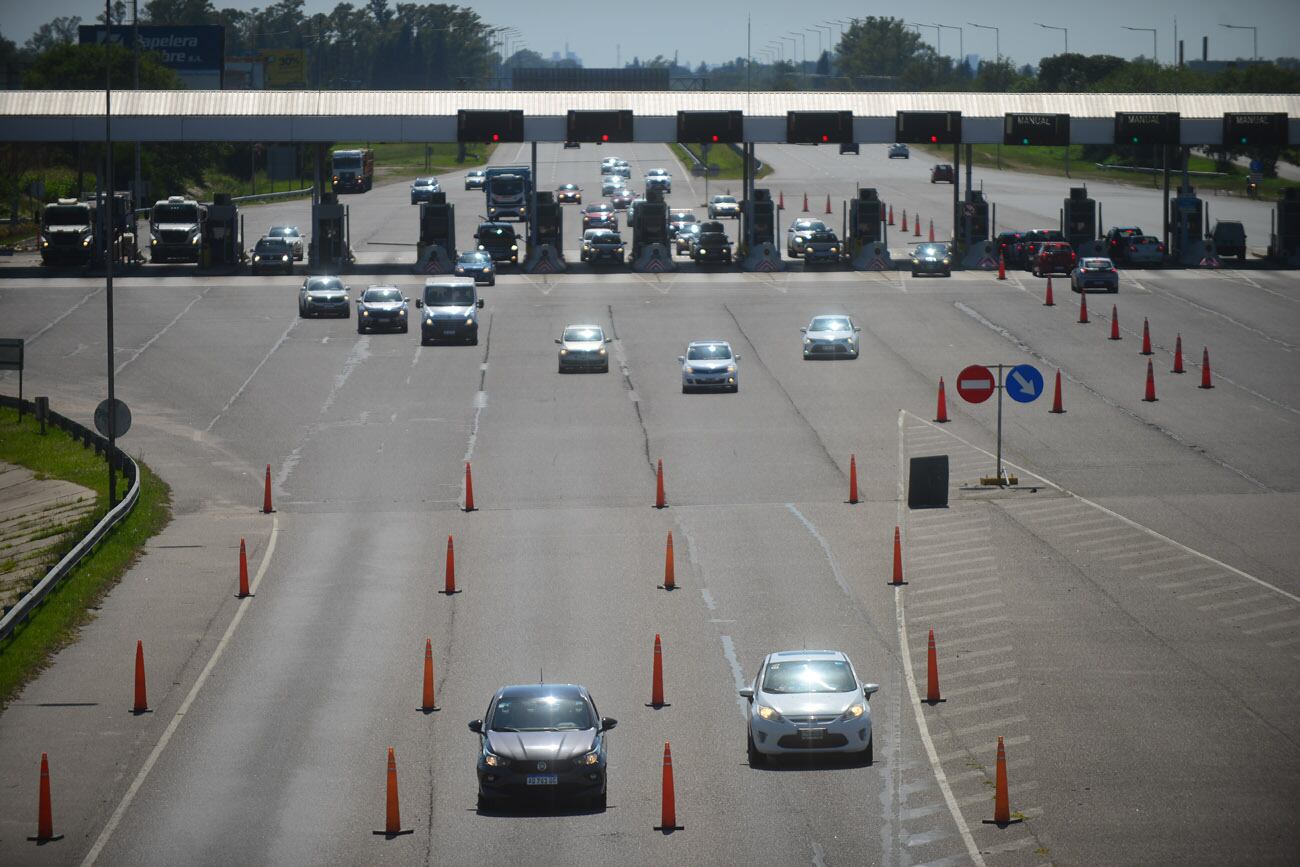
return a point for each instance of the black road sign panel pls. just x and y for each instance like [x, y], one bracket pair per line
[489, 126]
[928, 127]
[819, 127]
[710, 127]
[599, 126]
[1044, 130]
[1259, 129]
[1147, 128]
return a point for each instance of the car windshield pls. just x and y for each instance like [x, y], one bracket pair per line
[808, 675]
[602, 208]
[425, 182]
[283, 232]
[474, 258]
[805, 225]
[176, 213]
[581, 333]
[271, 245]
[382, 294]
[607, 238]
[477, 173]
[507, 184]
[831, 323]
[324, 284]
[541, 713]
[347, 162]
[67, 215]
[709, 352]
[725, 200]
[449, 295]
[932, 250]
[822, 236]
[569, 186]
[683, 218]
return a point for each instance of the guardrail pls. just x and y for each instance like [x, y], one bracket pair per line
[24, 607]
[1146, 170]
[260, 197]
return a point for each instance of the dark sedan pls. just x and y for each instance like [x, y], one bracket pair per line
[621, 199]
[932, 259]
[382, 307]
[542, 740]
[422, 189]
[272, 254]
[569, 194]
[478, 265]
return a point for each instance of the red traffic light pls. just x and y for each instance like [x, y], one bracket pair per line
[604, 136]
[934, 139]
[826, 138]
[715, 138]
[496, 136]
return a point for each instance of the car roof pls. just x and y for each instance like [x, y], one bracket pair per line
[708, 343]
[536, 690]
[583, 325]
[1096, 260]
[796, 655]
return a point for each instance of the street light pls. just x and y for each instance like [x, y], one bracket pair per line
[1254, 34]
[817, 30]
[997, 38]
[1155, 58]
[794, 46]
[961, 39]
[804, 37]
[1064, 30]
[938, 35]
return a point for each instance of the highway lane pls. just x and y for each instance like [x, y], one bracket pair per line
[281, 756]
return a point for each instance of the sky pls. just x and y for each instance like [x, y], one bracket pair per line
[603, 34]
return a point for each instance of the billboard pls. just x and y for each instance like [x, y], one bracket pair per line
[196, 53]
[285, 67]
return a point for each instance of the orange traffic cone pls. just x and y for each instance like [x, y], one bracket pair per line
[932, 673]
[45, 818]
[660, 502]
[805, 203]
[657, 681]
[670, 571]
[1146, 338]
[828, 204]
[904, 226]
[450, 586]
[141, 704]
[1056, 397]
[266, 494]
[1002, 267]
[891, 215]
[916, 225]
[1114, 322]
[427, 703]
[243, 572]
[1001, 803]
[853, 479]
[392, 819]
[1083, 306]
[469, 488]
[898, 559]
[1049, 302]
[668, 814]
[780, 201]
[932, 231]
[1151, 384]
[1205, 369]
[941, 413]
[1178, 355]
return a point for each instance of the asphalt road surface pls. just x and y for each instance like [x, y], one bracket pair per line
[1127, 619]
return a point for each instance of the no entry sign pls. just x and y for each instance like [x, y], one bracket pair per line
[975, 383]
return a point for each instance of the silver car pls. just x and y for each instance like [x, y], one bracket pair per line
[709, 364]
[582, 347]
[321, 295]
[899, 151]
[659, 179]
[798, 233]
[830, 337]
[1094, 273]
[723, 206]
[808, 701]
[290, 235]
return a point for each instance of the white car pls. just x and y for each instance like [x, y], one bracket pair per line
[608, 163]
[798, 233]
[709, 364]
[830, 337]
[291, 235]
[659, 179]
[808, 701]
[723, 206]
[582, 347]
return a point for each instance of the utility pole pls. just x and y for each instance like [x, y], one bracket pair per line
[106, 206]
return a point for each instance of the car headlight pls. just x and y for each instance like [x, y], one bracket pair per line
[620, 250]
[45, 242]
[835, 249]
[194, 240]
[495, 761]
[284, 258]
[256, 258]
[85, 243]
[767, 713]
[481, 247]
[563, 351]
[401, 312]
[854, 711]
[601, 350]
[514, 248]
[591, 758]
[428, 320]
[460, 269]
[154, 242]
[365, 312]
[850, 339]
[731, 368]
[469, 320]
[807, 341]
[586, 247]
[946, 261]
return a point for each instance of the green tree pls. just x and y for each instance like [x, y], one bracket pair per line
[1076, 72]
[82, 67]
[879, 47]
[60, 31]
[190, 12]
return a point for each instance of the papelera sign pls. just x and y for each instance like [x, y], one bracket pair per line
[975, 383]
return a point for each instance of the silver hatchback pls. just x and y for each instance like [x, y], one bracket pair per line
[830, 337]
[582, 347]
[709, 364]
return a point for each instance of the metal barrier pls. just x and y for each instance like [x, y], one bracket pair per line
[260, 197]
[24, 607]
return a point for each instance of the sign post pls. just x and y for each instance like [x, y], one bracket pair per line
[11, 358]
[1024, 383]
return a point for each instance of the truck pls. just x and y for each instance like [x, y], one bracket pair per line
[352, 171]
[509, 191]
[176, 230]
[68, 233]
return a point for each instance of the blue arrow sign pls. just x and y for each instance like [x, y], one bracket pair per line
[1024, 383]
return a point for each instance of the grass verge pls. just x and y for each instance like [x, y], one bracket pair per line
[729, 163]
[55, 623]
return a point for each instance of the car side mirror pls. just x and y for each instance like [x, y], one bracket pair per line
[558, 340]
[681, 359]
[607, 723]
[476, 725]
[419, 302]
[856, 328]
[609, 340]
[803, 330]
[738, 358]
[746, 693]
[406, 300]
[480, 304]
[870, 689]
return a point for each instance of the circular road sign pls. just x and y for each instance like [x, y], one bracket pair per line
[975, 383]
[120, 418]
[1024, 383]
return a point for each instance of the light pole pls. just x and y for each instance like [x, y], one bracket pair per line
[1064, 30]
[997, 38]
[938, 35]
[1254, 35]
[794, 46]
[817, 30]
[961, 39]
[804, 37]
[1155, 58]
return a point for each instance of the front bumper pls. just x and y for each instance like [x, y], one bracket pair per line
[830, 349]
[584, 361]
[447, 329]
[924, 267]
[720, 254]
[710, 380]
[318, 306]
[511, 781]
[480, 275]
[822, 734]
[389, 322]
[1096, 283]
[811, 257]
[598, 255]
[511, 256]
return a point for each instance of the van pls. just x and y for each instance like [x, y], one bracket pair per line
[1229, 238]
[450, 311]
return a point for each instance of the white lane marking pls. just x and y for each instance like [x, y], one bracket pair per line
[979, 654]
[963, 611]
[1253, 615]
[181, 711]
[913, 694]
[164, 330]
[818, 855]
[1271, 628]
[64, 315]
[708, 599]
[1006, 722]
[234, 397]
[737, 675]
[965, 708]
[480, 401]
[942, 588]
[826, 548]
[949, 674]
[973, 624]
[359, 353]
[939, 603]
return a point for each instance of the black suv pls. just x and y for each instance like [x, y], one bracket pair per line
[603, 246]
[713, 244]
[499, 241]
[1117, 241]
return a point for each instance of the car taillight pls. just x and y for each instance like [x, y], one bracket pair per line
[1160, 247]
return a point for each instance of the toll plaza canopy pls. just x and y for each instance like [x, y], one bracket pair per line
[431, 116]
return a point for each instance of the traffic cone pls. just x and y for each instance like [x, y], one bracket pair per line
[1178, 355]
[1205, 369]
[904, 226]
[45, 818]
[660, 502]
[243, 572]
[916, 226]
[1114, 322]
[932, 673]
[828, 204]
[853, 479]
[1146, 338]
[668, 814]
[266, 495]
[932, 231]
[1083, 307]
[392, 818]
[469, 488]
[941, 413]
[1151, 384]
[780, 201]
[1001, 803]
[450, 588]
[427, 703]
[805, 203]
[1002, 267]
[1056, 397]
[1049, 302]
[891, 215]
[898, 559]
[670, 571]
[141, 704]
[657, 681]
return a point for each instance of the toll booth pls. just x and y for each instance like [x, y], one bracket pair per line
[1285, 246]
[436, 247]
[1187, 242]
[330, 251]
[972, 225]
[118, 223]
[223, 243]
[650, 249]
[1079, 222]
[546, 255]
[758, 250]
[866, 241]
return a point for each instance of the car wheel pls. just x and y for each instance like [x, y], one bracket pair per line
[493, 281]
[361, 329]
[406, 328]
[302, 314]
[686, 389]
[485, 803]
[599, 803]
[868, 756]
[756, 759]
[347, 312]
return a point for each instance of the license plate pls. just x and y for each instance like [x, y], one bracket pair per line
[812, 734]
[447, 331]
[543, 780]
